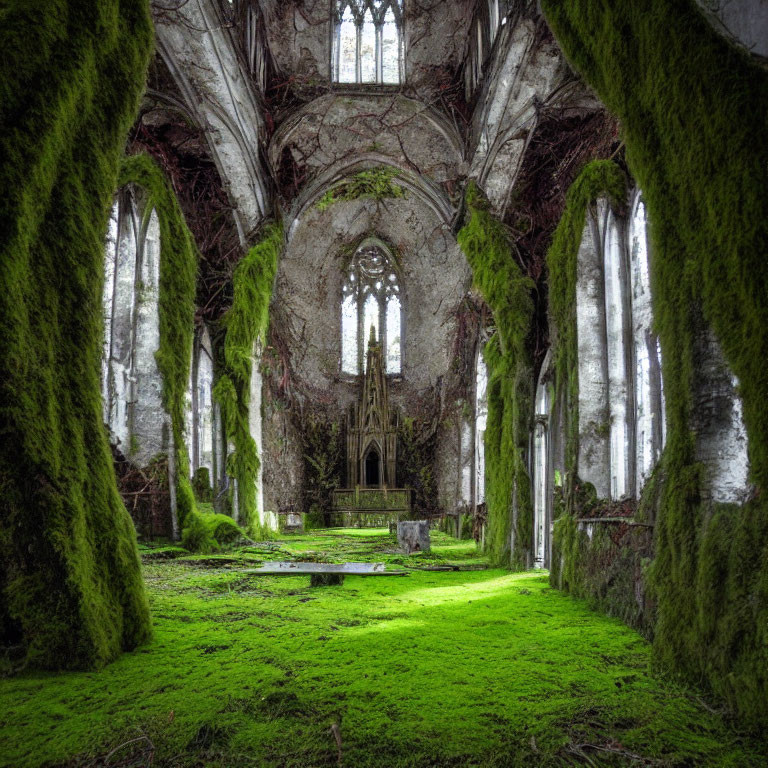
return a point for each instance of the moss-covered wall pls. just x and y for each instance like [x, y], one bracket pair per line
[71, 75]
[605, 563]
[693, 111]
[507, 290]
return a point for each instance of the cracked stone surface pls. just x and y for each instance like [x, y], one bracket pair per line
[386, 128]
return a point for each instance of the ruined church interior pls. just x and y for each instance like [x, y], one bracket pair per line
[383, 383]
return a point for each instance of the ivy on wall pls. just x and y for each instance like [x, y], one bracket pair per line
[246, 323]
[376, 184]
[508, 292]
[71, 75]
[693, 109]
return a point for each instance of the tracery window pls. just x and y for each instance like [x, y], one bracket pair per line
[367, 41]
[371, 297]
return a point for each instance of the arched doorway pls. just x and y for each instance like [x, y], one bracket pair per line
[372, 468]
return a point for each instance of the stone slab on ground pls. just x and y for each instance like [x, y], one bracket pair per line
[413, 536]
[294, 568]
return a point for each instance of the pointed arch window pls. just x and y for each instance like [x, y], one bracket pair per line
[371, 297]
[650, 408]
[367, 41]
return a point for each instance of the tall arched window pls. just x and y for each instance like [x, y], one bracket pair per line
[367, 41]
[618, 361]
[481, 422]
[650, 423]
[621, 399]
[541, 469]
[131, 381]
[371, 297]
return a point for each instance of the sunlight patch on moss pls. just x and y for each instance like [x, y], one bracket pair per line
[262, 666]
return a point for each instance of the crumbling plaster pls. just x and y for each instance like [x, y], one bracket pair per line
[743, 21]
[717, 422]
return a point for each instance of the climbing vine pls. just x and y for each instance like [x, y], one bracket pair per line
[71, 75]
[376, 183]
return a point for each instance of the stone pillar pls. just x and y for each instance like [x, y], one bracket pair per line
[145, 406]
[594, 463]
[716, 419]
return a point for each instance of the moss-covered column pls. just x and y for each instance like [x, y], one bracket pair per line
[176, 309]
[509, 539]
[693, 109]
[246, 326]
[70, 78]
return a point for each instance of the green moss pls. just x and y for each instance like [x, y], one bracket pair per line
[693, 108]
[376, 183]
[176, 306]
[71, 75]
[201, 484]
[206, 532]
[200, 532]
[508, 292]
[604, 568]
[246, 324]
[252, 670]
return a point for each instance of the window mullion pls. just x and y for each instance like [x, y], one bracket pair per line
[358, 46]
[360, 327]
[336, 63]
[379, 53]
[383, 329]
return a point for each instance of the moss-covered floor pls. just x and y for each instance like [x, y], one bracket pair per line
[467, 668]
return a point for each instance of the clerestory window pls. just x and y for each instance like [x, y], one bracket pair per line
[367, 41]
[371, 297]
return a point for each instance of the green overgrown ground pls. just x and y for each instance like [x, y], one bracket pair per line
[468, 668]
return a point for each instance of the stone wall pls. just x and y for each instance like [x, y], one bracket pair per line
[306, 314]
